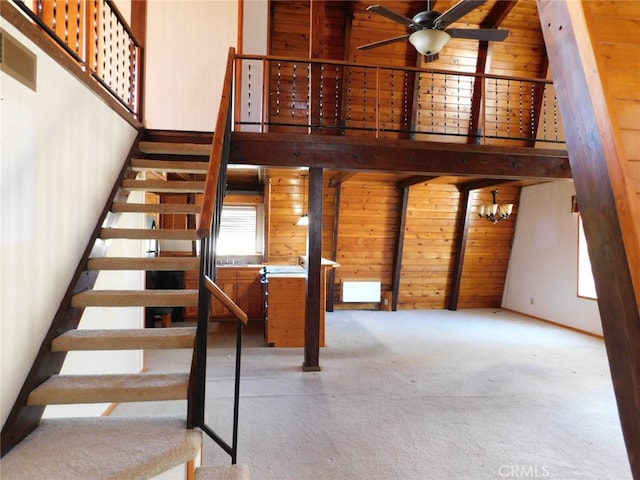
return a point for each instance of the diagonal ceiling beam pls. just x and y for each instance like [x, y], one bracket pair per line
[494, 19]
[340, 177]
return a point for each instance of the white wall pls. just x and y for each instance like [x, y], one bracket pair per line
[62, 149]
[542, 280]
[187, 45]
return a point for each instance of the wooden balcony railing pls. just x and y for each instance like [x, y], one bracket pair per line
[340, 98]
[95, 34]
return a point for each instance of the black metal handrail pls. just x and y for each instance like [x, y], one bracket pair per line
[208, 230]
[96, 36]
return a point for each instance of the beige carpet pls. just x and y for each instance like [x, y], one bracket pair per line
[473, 394]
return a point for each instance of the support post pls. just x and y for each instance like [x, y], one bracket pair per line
[314, 272]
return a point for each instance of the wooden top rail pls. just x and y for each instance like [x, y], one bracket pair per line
[215, 160]
[225, 300]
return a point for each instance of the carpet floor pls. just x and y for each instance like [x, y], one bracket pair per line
[473, 394]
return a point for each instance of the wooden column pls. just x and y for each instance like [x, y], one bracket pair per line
[596, 162]
[314, 272]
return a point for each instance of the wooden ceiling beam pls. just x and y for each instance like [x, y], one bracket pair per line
[603, 195]
[494, 19]
[340, 177]
[418, 158]
[483, 183]
[413, 180]
[498, 13]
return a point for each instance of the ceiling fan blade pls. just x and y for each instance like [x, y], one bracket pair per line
[391, 15]
[369, 46]
[485, 34]
[459, 10]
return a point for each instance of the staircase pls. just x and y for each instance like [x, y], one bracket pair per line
[123, 448]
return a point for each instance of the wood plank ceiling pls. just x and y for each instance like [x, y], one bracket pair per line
[335, 29]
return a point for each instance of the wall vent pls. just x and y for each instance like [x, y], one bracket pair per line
[17, 61]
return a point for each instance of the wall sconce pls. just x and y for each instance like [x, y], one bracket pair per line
[494, 212]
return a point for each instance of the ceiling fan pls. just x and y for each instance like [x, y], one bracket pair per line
[429, 35]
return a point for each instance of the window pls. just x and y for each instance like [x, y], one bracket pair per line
[586, 285]
[241, 230]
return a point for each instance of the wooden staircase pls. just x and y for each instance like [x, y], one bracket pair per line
[167, 161]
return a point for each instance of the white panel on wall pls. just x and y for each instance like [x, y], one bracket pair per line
[186, 54]
[543, 269]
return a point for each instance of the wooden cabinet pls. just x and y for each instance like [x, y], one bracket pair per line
[241, 284]
[286, 311]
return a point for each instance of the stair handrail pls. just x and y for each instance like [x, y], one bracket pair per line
[219, 149]
[226, 301]
[207, 229]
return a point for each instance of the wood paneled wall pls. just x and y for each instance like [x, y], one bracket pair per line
[369, 215]
[367, 229]
[616, 44]
[429, 242]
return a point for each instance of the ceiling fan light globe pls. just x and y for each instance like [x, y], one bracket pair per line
[429, 41]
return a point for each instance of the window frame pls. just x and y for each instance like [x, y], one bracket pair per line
[585, 282]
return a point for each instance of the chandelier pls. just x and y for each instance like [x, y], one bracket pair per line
[494, 212]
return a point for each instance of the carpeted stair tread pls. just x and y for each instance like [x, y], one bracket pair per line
[231, 472]
[72, 389]
[151, 263]
[173, 148]
[150, 234]
[129, 339]
[135, 298]
[119, 207]
[163, 186]
[114, 448]
[145, 165]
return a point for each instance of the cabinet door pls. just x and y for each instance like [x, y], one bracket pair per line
[226, 280]
[249, 293]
